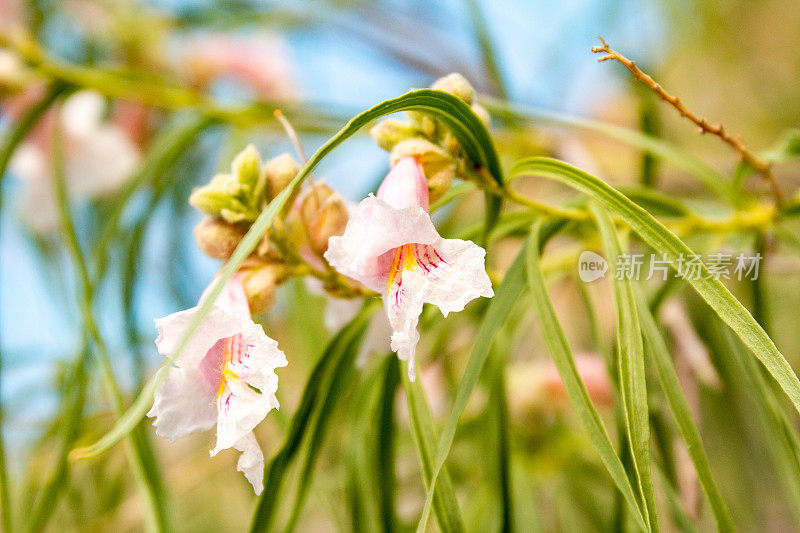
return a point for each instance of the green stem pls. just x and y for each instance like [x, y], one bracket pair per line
[9, 144]
[143, 88]
[155, 510]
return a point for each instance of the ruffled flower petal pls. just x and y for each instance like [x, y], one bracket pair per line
[183, 404]
[251, 462]
[258, 359]
[391, 246]
[215, 326]
[375, 229]
[456, 275]
[240, 409]
[403, 307]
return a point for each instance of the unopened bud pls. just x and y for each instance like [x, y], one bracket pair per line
[260, 280]
[387, 133]
[423, 123]
[324, 215]
[482, 113]
[312, 200]
[439, 167]
[330, 221]
[224, 198]
[246, 167]
[217, 238]
[278, 172]
[457, 85]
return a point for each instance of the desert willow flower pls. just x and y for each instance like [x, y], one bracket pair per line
[225, 376]
[100, 156]
[391, 246]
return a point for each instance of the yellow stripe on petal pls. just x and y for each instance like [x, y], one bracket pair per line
[405, 258]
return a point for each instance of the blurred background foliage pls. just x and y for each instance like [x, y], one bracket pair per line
[322, 62]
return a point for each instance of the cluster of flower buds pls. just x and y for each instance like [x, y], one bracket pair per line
[429, 142]
[234, 200]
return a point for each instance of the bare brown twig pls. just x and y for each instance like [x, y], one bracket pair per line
[758, 164]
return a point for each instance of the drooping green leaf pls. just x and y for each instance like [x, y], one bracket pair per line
[444, 501]
[630, 361]
[663, 241]
[319, 390]
[579, 397]
[681, 413]
[506, 295]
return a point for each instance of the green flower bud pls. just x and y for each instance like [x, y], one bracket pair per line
[278, 172]
[457, 85]
[217, 238]
[423, 123]
[439, 167]
[387, 133]
[246, 167]
[223, 198]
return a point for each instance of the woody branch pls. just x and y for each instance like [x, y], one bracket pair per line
[758, 164]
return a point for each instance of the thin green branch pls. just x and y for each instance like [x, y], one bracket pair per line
[152, 493]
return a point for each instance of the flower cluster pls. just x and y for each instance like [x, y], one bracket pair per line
[429, 142]
[386, 244]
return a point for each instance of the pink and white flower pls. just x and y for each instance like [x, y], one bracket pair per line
[100, 156]
[391, 246]
[225, 375]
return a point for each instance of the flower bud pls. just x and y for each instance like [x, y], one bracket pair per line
[217, 238]
[457, 85]
[224, 197]
[423, 123]
[246, 167]
[439, 167]
[324, 215]
[278, 172]
[260, 279]
[482, 113]
[387, 133]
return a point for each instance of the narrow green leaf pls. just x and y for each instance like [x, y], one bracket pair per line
[662, 240]
[565, 363]
[340, 351]
[500, 306]
[681, 413]
[384, 444]
[9, 143]
[140, 456]
[334, 384]
[444, 501]
[451, 111]
[780, 433]
[630, 361]
[498, 406]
